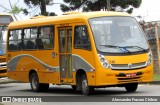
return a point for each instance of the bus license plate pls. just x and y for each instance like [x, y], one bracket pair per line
[131, 75]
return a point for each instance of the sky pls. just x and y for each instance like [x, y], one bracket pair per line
[149, 9]
[54, 8]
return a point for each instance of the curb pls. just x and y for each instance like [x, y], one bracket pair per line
[152, 83]
[155, 82]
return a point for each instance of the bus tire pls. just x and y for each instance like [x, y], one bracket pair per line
[86, 90]
[131, 87]
[35, 85]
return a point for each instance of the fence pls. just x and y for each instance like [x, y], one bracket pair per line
[152, 31]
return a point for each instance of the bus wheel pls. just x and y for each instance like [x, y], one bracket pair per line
[86, 90]
[131, 87]
[35, 85]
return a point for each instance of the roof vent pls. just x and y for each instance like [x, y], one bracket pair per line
[70, 13]
[37, 17]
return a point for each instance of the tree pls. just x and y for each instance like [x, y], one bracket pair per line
[38, 3]
[15, 10]
[116, 5]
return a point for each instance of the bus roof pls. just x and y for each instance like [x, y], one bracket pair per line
[67, 16]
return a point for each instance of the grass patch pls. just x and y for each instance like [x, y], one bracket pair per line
[157, 77]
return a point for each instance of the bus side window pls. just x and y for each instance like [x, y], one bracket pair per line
[45, 38]
[30, 45]
[13, 39]
[81, 38]
[30, 35]
[21, 44]
[39, 44]
[77, 38]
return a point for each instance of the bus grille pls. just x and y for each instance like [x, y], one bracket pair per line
[128, 78]
[128, 66]
[122, 77]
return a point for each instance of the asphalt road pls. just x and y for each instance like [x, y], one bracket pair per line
[23, 89]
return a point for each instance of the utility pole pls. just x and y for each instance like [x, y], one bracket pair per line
[108, 5]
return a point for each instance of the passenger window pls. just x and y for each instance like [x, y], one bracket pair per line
[81, 38]
[62, 40]
[30, 36]
[14, 36]
[69, 40]
[45, 39]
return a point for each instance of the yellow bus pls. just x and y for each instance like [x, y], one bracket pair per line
[5, 19]
[85, 50]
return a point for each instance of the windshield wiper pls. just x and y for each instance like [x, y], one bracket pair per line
[123, 49]
[136, 47]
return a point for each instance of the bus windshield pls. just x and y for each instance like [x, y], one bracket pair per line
[3, 35]
[118, 35]
[5, 19]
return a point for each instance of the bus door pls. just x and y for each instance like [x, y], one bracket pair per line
[65, 54]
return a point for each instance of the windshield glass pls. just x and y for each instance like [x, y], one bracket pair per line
[3, 35]
[5, 19]
[118, 34]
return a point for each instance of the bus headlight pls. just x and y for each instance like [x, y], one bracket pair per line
[149, 58]
[103, 61]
